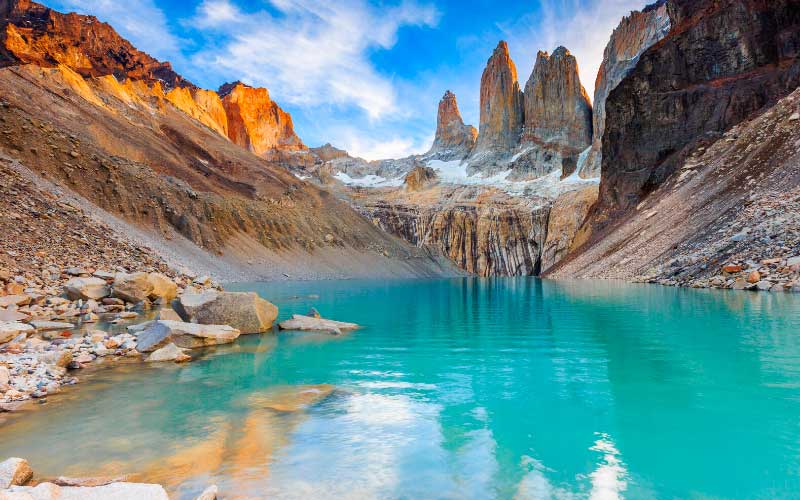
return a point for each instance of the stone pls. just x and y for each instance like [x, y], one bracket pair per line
[5, 376]
[309, 323]
[291, 399]
[419, 178]
[15, 300]
[60, 358]
[133, 288]
[83, 359]
[9, 331]
[169, 314]
[244, 311]
[557, 107]
[88, 481]
[764, 285]
[11, 316]
[86, 288]
[793, 261]
[115, 491]
[732, 268]
[754, 277]
[169, 352]
[501, 104]
[186, 335]
[740, 284]
[163, 287]
[14, 472]
[453, 139]
[209, 493]
[47, 326]
[313, 313]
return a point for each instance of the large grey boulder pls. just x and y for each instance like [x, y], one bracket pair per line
[311, 323]
[132, 288]
[245, 311]
[186, 335]
[115, 491]
[86, 288]
[14, 472]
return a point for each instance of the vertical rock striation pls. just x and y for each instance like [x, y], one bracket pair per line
[501, 104]
[453, 140]
[722, 61]
[636, 33]
[256, 122]
[557, 108]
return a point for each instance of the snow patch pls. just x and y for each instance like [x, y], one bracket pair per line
[370, 180]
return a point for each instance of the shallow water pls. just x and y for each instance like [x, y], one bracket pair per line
[461, 388]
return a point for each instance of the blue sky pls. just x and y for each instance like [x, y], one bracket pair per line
[365, 75]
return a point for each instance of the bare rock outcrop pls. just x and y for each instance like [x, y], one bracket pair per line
[692, 86]
[454, 139]
[419, 178]
[255, 121]
[557, 108]
[501, 107]
[31, 33]
[636, 33]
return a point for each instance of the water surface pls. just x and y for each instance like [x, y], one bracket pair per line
[467, 388]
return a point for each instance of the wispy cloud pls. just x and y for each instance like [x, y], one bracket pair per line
[310, 52]
[582, 26]
[144, 24]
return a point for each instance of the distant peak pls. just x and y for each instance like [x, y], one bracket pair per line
[448, 95]
[227, 88]
[561, 51]
[502, 47]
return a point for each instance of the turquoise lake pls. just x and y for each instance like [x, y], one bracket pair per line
[464, 388]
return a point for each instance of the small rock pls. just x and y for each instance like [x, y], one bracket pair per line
[754, 277]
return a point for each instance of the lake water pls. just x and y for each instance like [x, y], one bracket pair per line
[467, 388]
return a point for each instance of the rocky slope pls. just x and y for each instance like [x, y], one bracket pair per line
[636, 33]
[167, 171]
[728, 218]
[453, 139]
[693, 85]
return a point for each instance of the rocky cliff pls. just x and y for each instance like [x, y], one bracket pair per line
[501, 105]
[31, 33]
[694, 84]
[557, 107]
[255, 121]
[453, 140]
[636, 33]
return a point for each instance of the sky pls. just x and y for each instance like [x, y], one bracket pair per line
[364, 75]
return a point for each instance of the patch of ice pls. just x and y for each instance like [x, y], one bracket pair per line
[370, 180]
[302, 177]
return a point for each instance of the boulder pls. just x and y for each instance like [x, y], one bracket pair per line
[169, 352]
[9, 316]
[14, 472]
[132, 288]
[163, 287]
[116, 491]
[86, 288]
[168, 314]
[8, 331]
[47, 326]
[310, 323]
[15, 300]
[209, 493]
[186, 335]
[245, 311]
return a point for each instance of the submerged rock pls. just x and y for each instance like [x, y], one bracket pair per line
[310, 323]
[245, 311]
[209, 493]
[116, 491]
[187, 335]
[292, 399]
[169, 352]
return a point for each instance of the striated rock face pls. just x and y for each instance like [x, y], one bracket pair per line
[31, 33]
[557, 108]
[491, 238]
[635, 34]
[255, 122]
[721, 62]
[453, 140]
[567, 214]
[501, 104]
[203, 105]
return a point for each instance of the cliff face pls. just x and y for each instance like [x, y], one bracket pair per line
[490, 239]
[255, 122]
[453, 139]
[636, 33]
[557, 108]
[694, 84]
[501, 104]
[31, 33]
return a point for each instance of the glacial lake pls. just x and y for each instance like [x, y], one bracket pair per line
[465, 388]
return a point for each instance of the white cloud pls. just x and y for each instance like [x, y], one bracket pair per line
[582, 26]
[310, 52]
[379, 146]
[143, 24]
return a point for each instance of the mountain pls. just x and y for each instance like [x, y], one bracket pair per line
[453, 139]
[87, 111]
[700, 154]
